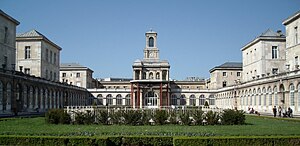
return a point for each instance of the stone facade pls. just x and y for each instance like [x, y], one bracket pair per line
[37, 55]
[292, 25]
[227, 74]
[76, 74]
[7, 41]
[264, 56]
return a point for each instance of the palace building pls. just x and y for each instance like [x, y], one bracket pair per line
[268, 76]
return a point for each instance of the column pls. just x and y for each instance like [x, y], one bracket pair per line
[138, 95]
[160, 96]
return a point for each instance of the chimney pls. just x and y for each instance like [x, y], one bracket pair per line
[279, 32]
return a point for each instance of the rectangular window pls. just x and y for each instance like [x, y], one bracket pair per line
[296, 35]
[5, 34]
[54, 58]
[27, 71]
[64, 74]
[238, 74]
[274, 52]
[51, 56]
[47, 54]
[224, 84]
[224, 74]
[78, 75]
[27, 52]
[275, 70]
[46, 74]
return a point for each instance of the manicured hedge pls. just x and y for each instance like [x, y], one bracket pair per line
[244, 141]
[150, 141]
[147, 141]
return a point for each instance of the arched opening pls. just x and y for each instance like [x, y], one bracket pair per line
[182, 100]
[150, 75]
[202, 99]
[151, 42]
[119, 99]
[99, 99]
[192, 100]
[173, 99]
[109, 99]
[292, 95]
[211, 100]
[275, 96]
[151, 99]
[157, 75]
[282, 90]
[127, 100]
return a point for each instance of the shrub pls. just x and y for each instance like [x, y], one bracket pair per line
[89, 117]
[146, 116]
[102, 117]
[212, 117]
[185, 118]
[117, 117]
[233, 117]
[198, 116]
[57, 116]
[160, 117]
[79, 118]
[133, 117]
[173, 116]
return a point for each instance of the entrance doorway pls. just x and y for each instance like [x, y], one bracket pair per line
[151, 100]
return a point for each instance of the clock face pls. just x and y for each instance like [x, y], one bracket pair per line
[151, 54]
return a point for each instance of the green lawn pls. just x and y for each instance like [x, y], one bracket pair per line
[255, 126]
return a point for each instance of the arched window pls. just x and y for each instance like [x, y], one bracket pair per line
[270, 96]
[246, 98]
[202, 99]
[157, 75]
[151, 42]
[211, 100]
[151, 99]
[275, 96]
[109, 99]
[127, 100]
[182, 100]
[119, 99]
[150, 75]
[250, 96]
[99, 99]
[259, 96]
[192, 100]
[292, 95]
[265, 96]
[173, 99]
[254, 97]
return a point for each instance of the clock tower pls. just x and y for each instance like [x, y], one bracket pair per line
[150, 87]
[151, 51]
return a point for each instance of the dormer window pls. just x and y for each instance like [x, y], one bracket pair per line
[151, 42]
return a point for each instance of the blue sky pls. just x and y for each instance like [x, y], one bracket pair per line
[109, 35]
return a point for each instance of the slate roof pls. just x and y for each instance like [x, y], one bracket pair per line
[228, 65]
[70, 65]
[34, 34]
[270, 33]
[31, 33]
